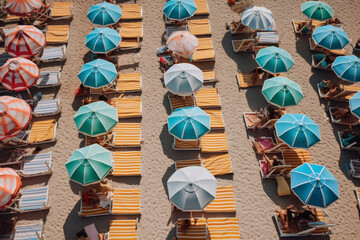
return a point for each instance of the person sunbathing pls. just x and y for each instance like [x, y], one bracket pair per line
[305, 26]
[326, 85]
[263, 144]
[333, 92]
[82, 91]
[268, 166]
[82, 235]
[105, 187]
[185, 224]
[257, 72]
[341, 112]
[333, 21]
[287, 216]
[348, 138]
[90, 197]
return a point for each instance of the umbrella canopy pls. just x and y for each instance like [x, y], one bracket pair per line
[330, 37]
[182, 43]
[257, 18]
[89, 164]
[10, 184]
[97, 73]
[347, 68]
[179, 9]
[317, 10]
[22, 7]
[96, 118]
[282, 92]
[19, 74]
[104, 14]
[314, 185]
[15, 115]
[102, 40]
[24, 41]
[274, 60]
[189, 123]
[297, 130]
[191, 188]
[183, 79]
[355, 105]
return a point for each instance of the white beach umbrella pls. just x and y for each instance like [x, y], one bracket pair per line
[257, 18]
[191, 188]
[183, 79]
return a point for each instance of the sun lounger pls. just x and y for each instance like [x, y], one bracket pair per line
[223, 228]
[349, 119]
[252, 118]
[170, 29]
[180, 102]
[346, 92]
[49, 79]
[88, 210]
[130, 43]
[27, 231]
[127, 135]
[209, 76]
[131, 29]
[214, 142]
[47, 107]
[126, 82]
[8, 18]
[200, 27]
[244, 45]
[127, 107]
[305, 29]
[123, 229]
[320, 63]
[357, 192]
[126, 202]
[267, 145]
[57, 34]
[202, 7]
[295, 158]
[197, 229]
[354, 168]
[127, 163]
[353, 146]
[186, 145]
[203, 55]
[53, 54]
[316, 48]
[279, 170]
[245, 80]
[131, 11]
[61, 10]
[216, 119]
[267, 38]
[223, 202]
[208, 98]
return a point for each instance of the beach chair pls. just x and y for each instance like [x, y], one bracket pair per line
[129, 43]
[243, 45]
[127, 135]
[320, 62]
[61, 11]
[170, 29]
[200, 27]
[245, 80]
[295, 158]
[123, 229]
[251, 118]
[127, 163]
[267, 38]
[349, 119]
[47, 107]
[223, 202]
[126, 82]
[214, 142]
[57, 34]
[204, 55]
[186, 145]
[180, 102]
[9, 18]
[209, 76]
[49, 79]
[316, 48]
[216, 119]
[202, 7]
[223, 228]
[276, 171]
[238, 28]
[354, 168]
[305, 29]
[353, 146]
[267, 145]
[27, 231]
[208, 98]
[131, 29]
[127, 107]
[126, 202]
[53, 54]
[131, 11]
[197, 229]
[357, 192]
[88, 210]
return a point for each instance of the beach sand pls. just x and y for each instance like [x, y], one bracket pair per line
[256, 199]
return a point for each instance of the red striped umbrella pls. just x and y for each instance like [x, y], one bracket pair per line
[22, 7]
[19, 74]
[10, 183]
[15, 115]
[24, 41]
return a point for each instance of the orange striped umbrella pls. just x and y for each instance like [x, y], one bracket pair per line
[22, 7]
[182, 43]
[10, 183]
[19, 74]
[24, 41]
[15, 115]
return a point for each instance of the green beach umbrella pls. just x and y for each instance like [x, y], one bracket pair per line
[96, 118]
[317, 10]
[282, 92]
[89, 164]
[275, 60]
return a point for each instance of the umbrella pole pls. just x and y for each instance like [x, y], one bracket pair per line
[29, 93]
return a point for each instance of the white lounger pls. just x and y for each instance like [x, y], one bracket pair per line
[53, 54]
[49, 79]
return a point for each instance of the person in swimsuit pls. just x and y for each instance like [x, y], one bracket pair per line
[90, 197]
[270, 163]
[341, 112]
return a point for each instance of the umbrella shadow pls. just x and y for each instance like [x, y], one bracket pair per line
[319, 75]
[255, 99]
[171, 235]
[303, 49]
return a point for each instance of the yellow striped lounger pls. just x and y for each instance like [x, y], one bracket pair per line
[223, 202]
[126, 201]
[123, 230]
[214, 142]
[296, 157]
[245, 80]
[186, 145]
[127, 163]
[88, 210]
[127, 107]
[127, 135]
[131, 11]
[223, 228]
[131, 29]
[196, 230]
[61, 10]
[42, 131]
[202, 7]
[199, 27]
[57, 34]
[180, 102]
[216, 118]
[207, 98]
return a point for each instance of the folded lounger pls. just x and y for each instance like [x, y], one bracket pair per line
[196, 230]
[126, 202]
[61, 10]
[216, 119]
[223, 228]
[354, 168]
[180, 102]
[123, 229]
[223, 202]
[52, 54]
[49, 79]
[47, 107]
[214, 142]
[131, 11]
[202, 7]
[316, 48]
[126, 82]
[186, 145]
[131, 29]
[57, 34]
[200, 27]
[127, 107]
[127, 163]
[208, 98]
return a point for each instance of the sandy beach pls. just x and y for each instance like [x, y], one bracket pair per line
[255, 198]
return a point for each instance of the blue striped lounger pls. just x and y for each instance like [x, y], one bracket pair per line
[28, 232]
[48, 78]
[47, 107]
[37, 164]
[34, 199]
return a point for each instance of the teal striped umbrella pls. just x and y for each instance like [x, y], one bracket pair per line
[179, 9]
[97, 73]
[347, 68]
[317, 10]
[274, 60]
[330, 37]
[102, 40]
[104, 14]
[96, 118]
[282, 92]
[89, 164]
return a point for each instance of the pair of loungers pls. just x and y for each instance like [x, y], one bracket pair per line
[239, 28]
[245, 80]
[197, 27]
[344, 94]
[128, 82]
[304, 28]
[261, 40]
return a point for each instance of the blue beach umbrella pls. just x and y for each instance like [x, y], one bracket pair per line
[330, 37]
[317, 10]
[347, 68]
[297, 130]
[258, 18]
[97, 73]
[189, 123]
[179, 9]
[355, 105]
[314, 185]
[275, 60]
[104, 14]
[102, 40]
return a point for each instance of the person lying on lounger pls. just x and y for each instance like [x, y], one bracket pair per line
[340, 112]
[332, 92]
[333, 21]
[268, 166]
[105, 187]
[348, 138]
[90, 196]
[263, 144]
[287, 216]
[300, 218]
[326, 85]
[305, 27]
[270, 112]
[257, 72]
